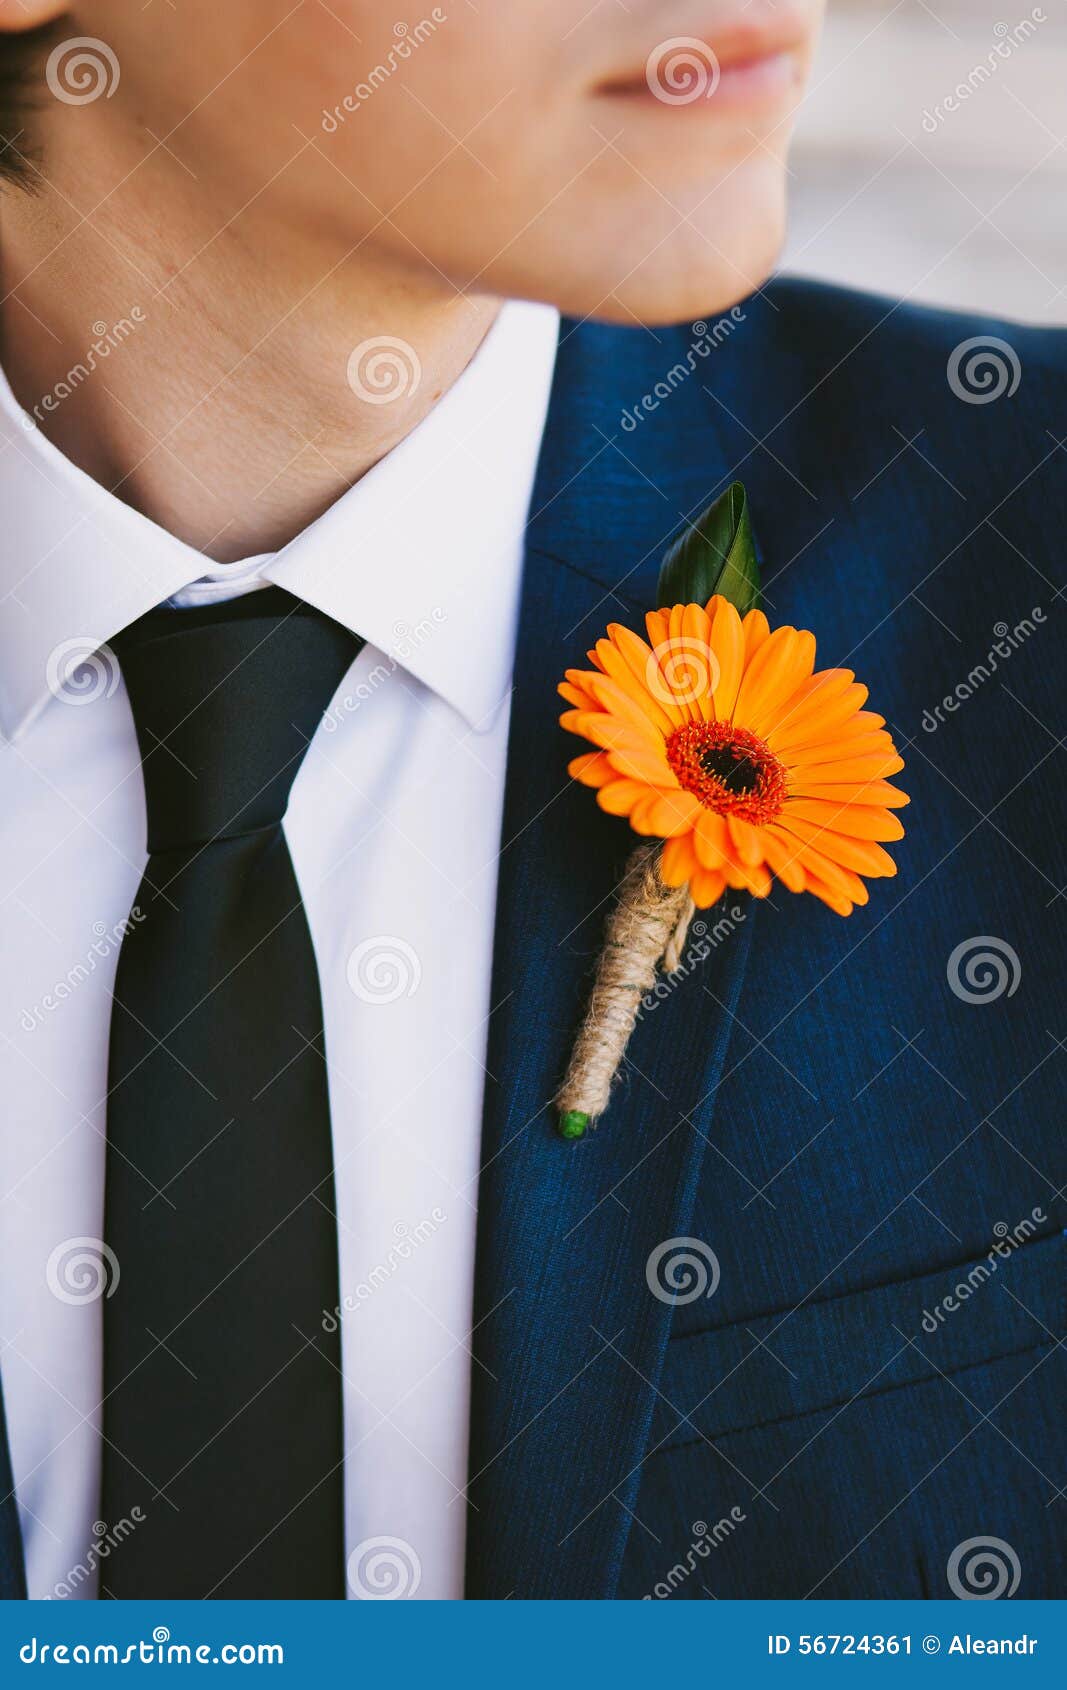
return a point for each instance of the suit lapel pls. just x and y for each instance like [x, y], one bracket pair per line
[569, 1339]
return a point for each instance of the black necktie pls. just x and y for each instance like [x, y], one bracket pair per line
[222, 1388]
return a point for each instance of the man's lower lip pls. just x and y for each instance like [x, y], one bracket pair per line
[711, 87]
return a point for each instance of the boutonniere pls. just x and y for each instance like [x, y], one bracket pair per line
[717, 737]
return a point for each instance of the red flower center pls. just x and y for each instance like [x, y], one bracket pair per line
[729, 769]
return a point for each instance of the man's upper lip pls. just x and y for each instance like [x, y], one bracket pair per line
[743, 39]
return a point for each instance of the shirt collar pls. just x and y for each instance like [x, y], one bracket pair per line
[422, 557]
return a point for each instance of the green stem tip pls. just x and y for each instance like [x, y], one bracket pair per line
[573, 1124]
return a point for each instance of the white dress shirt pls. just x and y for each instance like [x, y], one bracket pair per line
[393, 826]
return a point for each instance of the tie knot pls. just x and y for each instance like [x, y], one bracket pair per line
[225, 700]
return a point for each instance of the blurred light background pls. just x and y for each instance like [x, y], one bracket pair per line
[897, 192]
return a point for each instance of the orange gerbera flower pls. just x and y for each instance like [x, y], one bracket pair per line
[721, 738]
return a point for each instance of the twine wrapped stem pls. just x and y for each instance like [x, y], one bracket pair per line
[646, 929]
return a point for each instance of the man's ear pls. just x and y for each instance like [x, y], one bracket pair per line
[19, 15]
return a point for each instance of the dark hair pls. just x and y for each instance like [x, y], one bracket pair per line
[21, 85]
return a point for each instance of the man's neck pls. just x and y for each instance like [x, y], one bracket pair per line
[203, 370]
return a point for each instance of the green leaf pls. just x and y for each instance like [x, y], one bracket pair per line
[715, 554]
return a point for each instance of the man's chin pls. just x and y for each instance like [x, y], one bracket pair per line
[683, 302]
[658, 295]
[697, 267]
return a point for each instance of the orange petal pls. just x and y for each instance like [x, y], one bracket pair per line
[756, 630]
[673, 813]
[576, 689]
[590, 722]
[592, 768]
[700, 655]
[782, 861]
[678, 862]
[758, 881]
[642, 816]
[839, 905]
[612, 735]
[728, 644]
[812, 860]
[641, 765]
[815, 712]
[683, 677]
[711, 842]
[772, 676]
[627, 659]
[619, 796]
[579, 721]
[861, 855]
[685, 669]
[850, 769]
[706, 888]
[844, 744]
[612, 698]
[844, 888]
[877, 792]
[858, 821]
[746, 840]
[793, 665]
[657, 625]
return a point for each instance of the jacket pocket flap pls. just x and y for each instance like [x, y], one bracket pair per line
[822, 1354]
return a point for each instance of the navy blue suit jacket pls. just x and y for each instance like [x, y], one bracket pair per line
[849, 1120]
